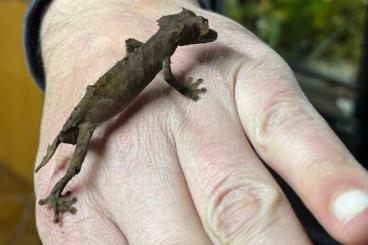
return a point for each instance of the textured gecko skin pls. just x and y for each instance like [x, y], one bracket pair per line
[115, 90]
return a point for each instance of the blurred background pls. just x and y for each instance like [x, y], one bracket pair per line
[324, 41]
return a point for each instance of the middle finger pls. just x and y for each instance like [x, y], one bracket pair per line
[237, 199]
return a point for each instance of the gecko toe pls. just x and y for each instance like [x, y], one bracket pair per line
[193, 88]
[196, 83]
[43, 201]
[60, 204]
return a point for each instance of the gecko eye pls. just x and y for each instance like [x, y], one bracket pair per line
[203, 25]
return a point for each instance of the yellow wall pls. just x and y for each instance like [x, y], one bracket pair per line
[20, 111]
[20, 99]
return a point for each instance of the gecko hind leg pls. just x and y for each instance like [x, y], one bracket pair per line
[132, 44]
[64, 203]
[191, 90]
[69, 137]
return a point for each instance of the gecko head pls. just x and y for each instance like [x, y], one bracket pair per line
[195, 29]
[190, 28]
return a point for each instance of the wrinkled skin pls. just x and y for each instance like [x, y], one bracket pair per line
[171, 171]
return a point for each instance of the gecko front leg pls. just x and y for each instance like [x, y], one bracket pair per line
[64, 203]
[191, 90]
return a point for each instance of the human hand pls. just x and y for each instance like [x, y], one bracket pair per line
[170, 170]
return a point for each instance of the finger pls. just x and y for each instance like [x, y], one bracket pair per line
[145, 189]
[295, 141]
[235, 196]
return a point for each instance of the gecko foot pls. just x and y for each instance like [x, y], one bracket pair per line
[60, 204]
[193, 89]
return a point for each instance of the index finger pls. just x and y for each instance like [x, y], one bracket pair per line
[293, 139]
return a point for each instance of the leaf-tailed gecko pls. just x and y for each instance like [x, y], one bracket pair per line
[118, 87]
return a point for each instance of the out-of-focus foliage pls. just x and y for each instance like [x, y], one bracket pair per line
[305, 30]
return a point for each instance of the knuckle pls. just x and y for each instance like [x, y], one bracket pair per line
[320, 167]
[172, 239]
[237, 205]
[310, 167]
[285, 112]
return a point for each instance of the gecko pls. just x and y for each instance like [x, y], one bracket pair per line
[117, 88]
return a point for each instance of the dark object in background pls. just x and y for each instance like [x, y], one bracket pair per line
[214, 5]
[362, 100]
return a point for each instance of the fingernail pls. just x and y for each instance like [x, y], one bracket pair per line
[349, 205]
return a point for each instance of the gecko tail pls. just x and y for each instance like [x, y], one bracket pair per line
[50, 152]
[69, 136]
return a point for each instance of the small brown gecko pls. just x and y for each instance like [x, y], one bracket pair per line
[118, 87]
